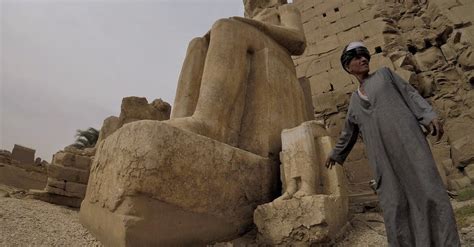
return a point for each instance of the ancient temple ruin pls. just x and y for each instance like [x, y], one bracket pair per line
[212, 171]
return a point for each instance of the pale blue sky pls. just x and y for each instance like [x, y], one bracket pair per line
[66, 64]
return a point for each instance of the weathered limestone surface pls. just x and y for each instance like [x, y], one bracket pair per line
[300, 222]
[23, 154]
[67, 177]
[19, 169]
[5, 157]
[189, 188]
[314, 206]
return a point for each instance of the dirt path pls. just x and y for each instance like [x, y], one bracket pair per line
[28, 222]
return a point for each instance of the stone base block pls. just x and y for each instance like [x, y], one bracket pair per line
[310, 220]
[187, 188]
[55, 199]
[68, 173]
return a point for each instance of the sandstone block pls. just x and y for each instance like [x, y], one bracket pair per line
[23, 154]
[430, 59]
[137, 108]
[64, 188]
[466, 59]
[318, 66]
[300, 222]
[373, 27]
[320, 83]
[189, 188]
[469, 171]
[459, 183]
[55, 198]
[331, 16]
[326, 45]
[68, 173]
[464, 12]
[340, 80]
[462, 151]
[64, 159]
[348, 36]
[313, 24]
[308, 14]
[458, 128]
[350, 8]
[58, 191]
[378, 61]
[109, 126]
[368, 14]
[352, 20]
[448, 166]
[82, 162]
[52, 182]
[446, 4]
[302, 68]
[373, 42]
[314, 37]
[327, 103]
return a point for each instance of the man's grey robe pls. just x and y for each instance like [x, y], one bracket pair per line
[416, 207]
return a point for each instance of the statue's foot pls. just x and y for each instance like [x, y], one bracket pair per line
[302, 193]
[189, 124]
[283, 197]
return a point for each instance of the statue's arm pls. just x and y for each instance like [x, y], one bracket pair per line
[289, 34]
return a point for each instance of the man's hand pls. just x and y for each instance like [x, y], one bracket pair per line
[436, 129]
[330, 162]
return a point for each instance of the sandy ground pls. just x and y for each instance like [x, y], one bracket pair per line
[28, 222]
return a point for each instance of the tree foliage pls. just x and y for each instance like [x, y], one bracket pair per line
[86, 138]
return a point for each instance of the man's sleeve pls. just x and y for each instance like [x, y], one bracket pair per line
[346, 141]
[417, 104]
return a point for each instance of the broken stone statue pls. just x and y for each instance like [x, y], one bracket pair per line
[197, 178]
[314, 206]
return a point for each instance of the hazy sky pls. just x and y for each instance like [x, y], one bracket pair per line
[67, 64]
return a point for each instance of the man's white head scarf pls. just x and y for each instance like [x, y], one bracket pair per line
[353, 50]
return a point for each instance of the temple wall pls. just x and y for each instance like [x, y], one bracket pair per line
[427, 42]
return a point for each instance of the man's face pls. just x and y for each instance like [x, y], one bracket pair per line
[358, 65]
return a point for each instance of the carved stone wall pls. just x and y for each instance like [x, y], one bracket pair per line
[428, 43]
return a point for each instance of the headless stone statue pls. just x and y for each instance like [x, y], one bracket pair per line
[221, 91]
[304, 150]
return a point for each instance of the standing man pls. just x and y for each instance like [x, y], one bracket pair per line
[387, 111]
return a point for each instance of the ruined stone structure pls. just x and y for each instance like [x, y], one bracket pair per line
[428, 43]
[134, 109]
[20, 169]
[23, 155]
[197, 178]
[314, 206]
[67, 177]
[69, 172]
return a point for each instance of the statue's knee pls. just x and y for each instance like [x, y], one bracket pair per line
[197, 43]
[224, 25]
